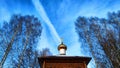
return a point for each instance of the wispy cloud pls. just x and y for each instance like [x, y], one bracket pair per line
[45, 18]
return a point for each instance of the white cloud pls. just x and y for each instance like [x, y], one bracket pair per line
[44, 16]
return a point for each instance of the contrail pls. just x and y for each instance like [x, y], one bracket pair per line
[44, 16]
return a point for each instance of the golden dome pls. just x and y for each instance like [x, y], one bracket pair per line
[62, 46]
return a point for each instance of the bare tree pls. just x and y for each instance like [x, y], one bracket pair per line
[25, 30]
[106, 34]
[45, 52]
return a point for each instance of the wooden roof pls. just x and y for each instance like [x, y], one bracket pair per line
[64, 59]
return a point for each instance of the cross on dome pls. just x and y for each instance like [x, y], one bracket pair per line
[62, 48]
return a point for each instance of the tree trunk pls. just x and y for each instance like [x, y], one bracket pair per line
[9, 46]
[22, 54]
[91, 48]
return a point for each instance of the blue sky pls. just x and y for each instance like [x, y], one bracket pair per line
[58, 18]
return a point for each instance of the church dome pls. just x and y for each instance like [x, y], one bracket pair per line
[62, 46]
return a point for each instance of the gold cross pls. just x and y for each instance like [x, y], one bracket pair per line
[61, 40]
